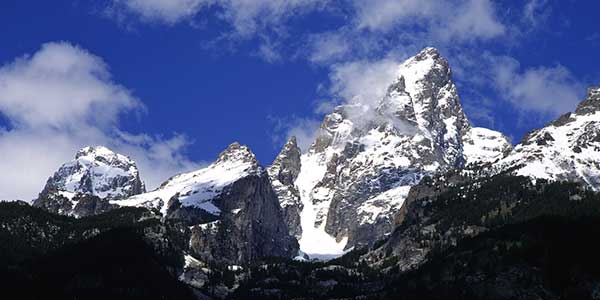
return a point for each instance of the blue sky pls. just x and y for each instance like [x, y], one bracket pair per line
[173, 82]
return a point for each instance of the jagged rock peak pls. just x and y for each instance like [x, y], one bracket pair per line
[593, 93]
[102, 153]
[290, 148]
[237, 152]
[283, 173]
[289, 145]
[428, 52]
[432, 58]
[286, 166]
[591, 103]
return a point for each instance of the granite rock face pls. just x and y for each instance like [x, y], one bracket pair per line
[233, 213]
[283, 173]
[251, 226]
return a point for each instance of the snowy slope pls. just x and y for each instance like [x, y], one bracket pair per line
[198, 188]
[481, 145]
[566, 149]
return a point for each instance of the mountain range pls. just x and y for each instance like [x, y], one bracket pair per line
[392, 185]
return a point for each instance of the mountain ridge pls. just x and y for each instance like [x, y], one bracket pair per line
[348, 187]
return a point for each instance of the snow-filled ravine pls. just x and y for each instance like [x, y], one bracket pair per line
[315, 242]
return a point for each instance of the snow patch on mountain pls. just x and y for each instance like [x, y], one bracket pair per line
[380, 205]
[566, 149]
[198, 188]
[482, 145]
[314, 241]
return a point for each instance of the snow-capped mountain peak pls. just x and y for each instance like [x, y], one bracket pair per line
[198, 188]
[237, 153]
[358, 171]
[100, 172]
[95, 171]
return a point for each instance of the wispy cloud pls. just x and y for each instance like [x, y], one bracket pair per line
[163, 11]
[60, 99]
[545, 90]
[536, 11]
[245, 17]
[304, 129]
[447, 20]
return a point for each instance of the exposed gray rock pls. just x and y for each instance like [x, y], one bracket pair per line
[251, 227]
[246, 223]
[283, 173]
[89, 205]
[592, 102]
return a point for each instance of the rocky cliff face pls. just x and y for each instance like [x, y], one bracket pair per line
[357, 173]
[566, 149]
[230, 206]
[251, 226]
[283, 173]
[84, 185]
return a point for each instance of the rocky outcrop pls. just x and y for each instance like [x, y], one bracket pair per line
[85, 185]
[251, 226]
[283, 173]
[591, 104]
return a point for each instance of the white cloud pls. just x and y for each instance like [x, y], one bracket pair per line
[535, 11]
[59, 100]
[164, 11]
[386, 14]
[471, 19]
[268, 51]
[369, 26]
[246, 17]
[328, 46]
[447, 20]
[57, 87]
[549, 91]
[250, 16]
[363, 81]
[304, 129]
